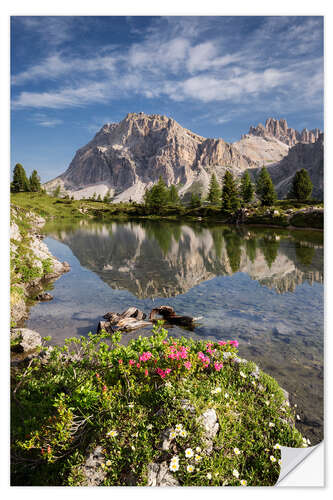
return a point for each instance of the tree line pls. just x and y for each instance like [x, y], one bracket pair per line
[21, 183]
[233, 194]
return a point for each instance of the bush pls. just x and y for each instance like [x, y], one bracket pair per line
[96, 392]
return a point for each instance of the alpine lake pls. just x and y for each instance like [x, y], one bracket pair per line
[258, 285]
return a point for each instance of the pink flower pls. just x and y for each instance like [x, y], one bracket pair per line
[146, 372]
[187, 365]
[97, 375]
[222, 343]
[168, 370]
[145, 356]
[234, 342]
[105, 388]
[218, 366]
[138, 365]
[120, 361]
[131, 362]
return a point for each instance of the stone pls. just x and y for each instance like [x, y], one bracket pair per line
[160, 475]
[26, 341]
[44, 296]
[211, 426]
[92, 471]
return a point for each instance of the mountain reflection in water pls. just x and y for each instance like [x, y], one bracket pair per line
[261, 286]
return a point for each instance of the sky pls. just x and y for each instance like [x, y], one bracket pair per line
[214, 75]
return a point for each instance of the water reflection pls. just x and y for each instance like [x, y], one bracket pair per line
[163, 260]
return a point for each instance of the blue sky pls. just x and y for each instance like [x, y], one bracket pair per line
[214, 75]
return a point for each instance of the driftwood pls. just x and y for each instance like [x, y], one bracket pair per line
[133, 318]
[169, 315]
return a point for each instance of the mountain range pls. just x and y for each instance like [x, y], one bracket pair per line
[127, 157]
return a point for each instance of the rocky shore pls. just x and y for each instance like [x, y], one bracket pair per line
[27, 248]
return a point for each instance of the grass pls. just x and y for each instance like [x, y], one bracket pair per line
[123, 397]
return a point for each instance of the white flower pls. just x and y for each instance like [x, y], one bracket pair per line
[198, 449]
[172, 435]
[209, 476]
[168, 384]
[280, 462]
[131, 405]
[308, 441]
[235, 473]
[277, 446]
[183, 433]
[243, 482]
[271, 424]
[298, 417]
[108, 463]
[149, 427]
[216, 390]
[197, 458]
[226, 395]
[189, 453]
[175, 458]
[227, 405]
[304, 440]
[253, 383]
[174, 466]
[287, 403]
[178, 427]
[295, 405]
[242, 374]
[272, 459]
[190, 468]
[237, 451]
[112, 433]
[133, 447]
[267, 402]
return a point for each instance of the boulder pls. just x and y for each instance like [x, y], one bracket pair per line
[44, 296]
[25, 340]
[160, 475]
[211, 426]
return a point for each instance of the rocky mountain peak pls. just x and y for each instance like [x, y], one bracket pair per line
[279, 130]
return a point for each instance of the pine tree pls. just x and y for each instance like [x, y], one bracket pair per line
[195, 200]
[246, 188]
[20, 181]
[34, 182]
[173, 195]
[107, 197]
[214, 193]
[230, 195]
[56, 192]
[265, 188]
[157, 197]
[302, 186]
[99, 198]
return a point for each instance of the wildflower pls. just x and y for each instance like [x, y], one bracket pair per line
[218, 366]
[243, 482]
[145, 356]
[209, 476]
[197, 458]
[131, 405]
[308, 441]
[131, 362]
[132, 447]
[149, 427]
[220, 342]
[237, 451]
[138, 365]
[277, 446]
[98, 375]
[298, 417]
[253, 383]
[189, 453]
[112, 433]
[287, 403]
[226, 395]
[104, 388]
[234, 343]
[108, 463]
[272, 459]
[175, 458]
[295, 405]
[183, 433]
[172, 435]
[235, 473]
[216, 390]
[120, 361]
[187, 365]
[271, 424]
[49, 449]
[178, 427]
[103, 466]
[198, 449]
[174, 466]
[190, 468]
[267, 403]
[146, 372]
[242, 374]
[168, 384]
[280, 462]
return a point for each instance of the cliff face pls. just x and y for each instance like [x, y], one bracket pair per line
[279, 130]
[127, 157]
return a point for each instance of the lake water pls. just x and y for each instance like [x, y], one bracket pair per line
[261, 286]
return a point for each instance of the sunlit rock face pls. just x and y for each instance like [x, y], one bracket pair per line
[279, 130]
[150, 261]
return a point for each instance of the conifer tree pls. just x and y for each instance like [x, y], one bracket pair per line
[20, 181]
[34, 182]
[246, 188]
[99, 198]
[230, 195]
[195, 200]
[173, 195]
[157, 197]
[214, 193]
[265, 188]
[302, 186]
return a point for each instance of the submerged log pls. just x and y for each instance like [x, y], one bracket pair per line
[169, 315]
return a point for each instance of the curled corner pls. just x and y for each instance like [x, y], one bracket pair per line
[291, 458]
